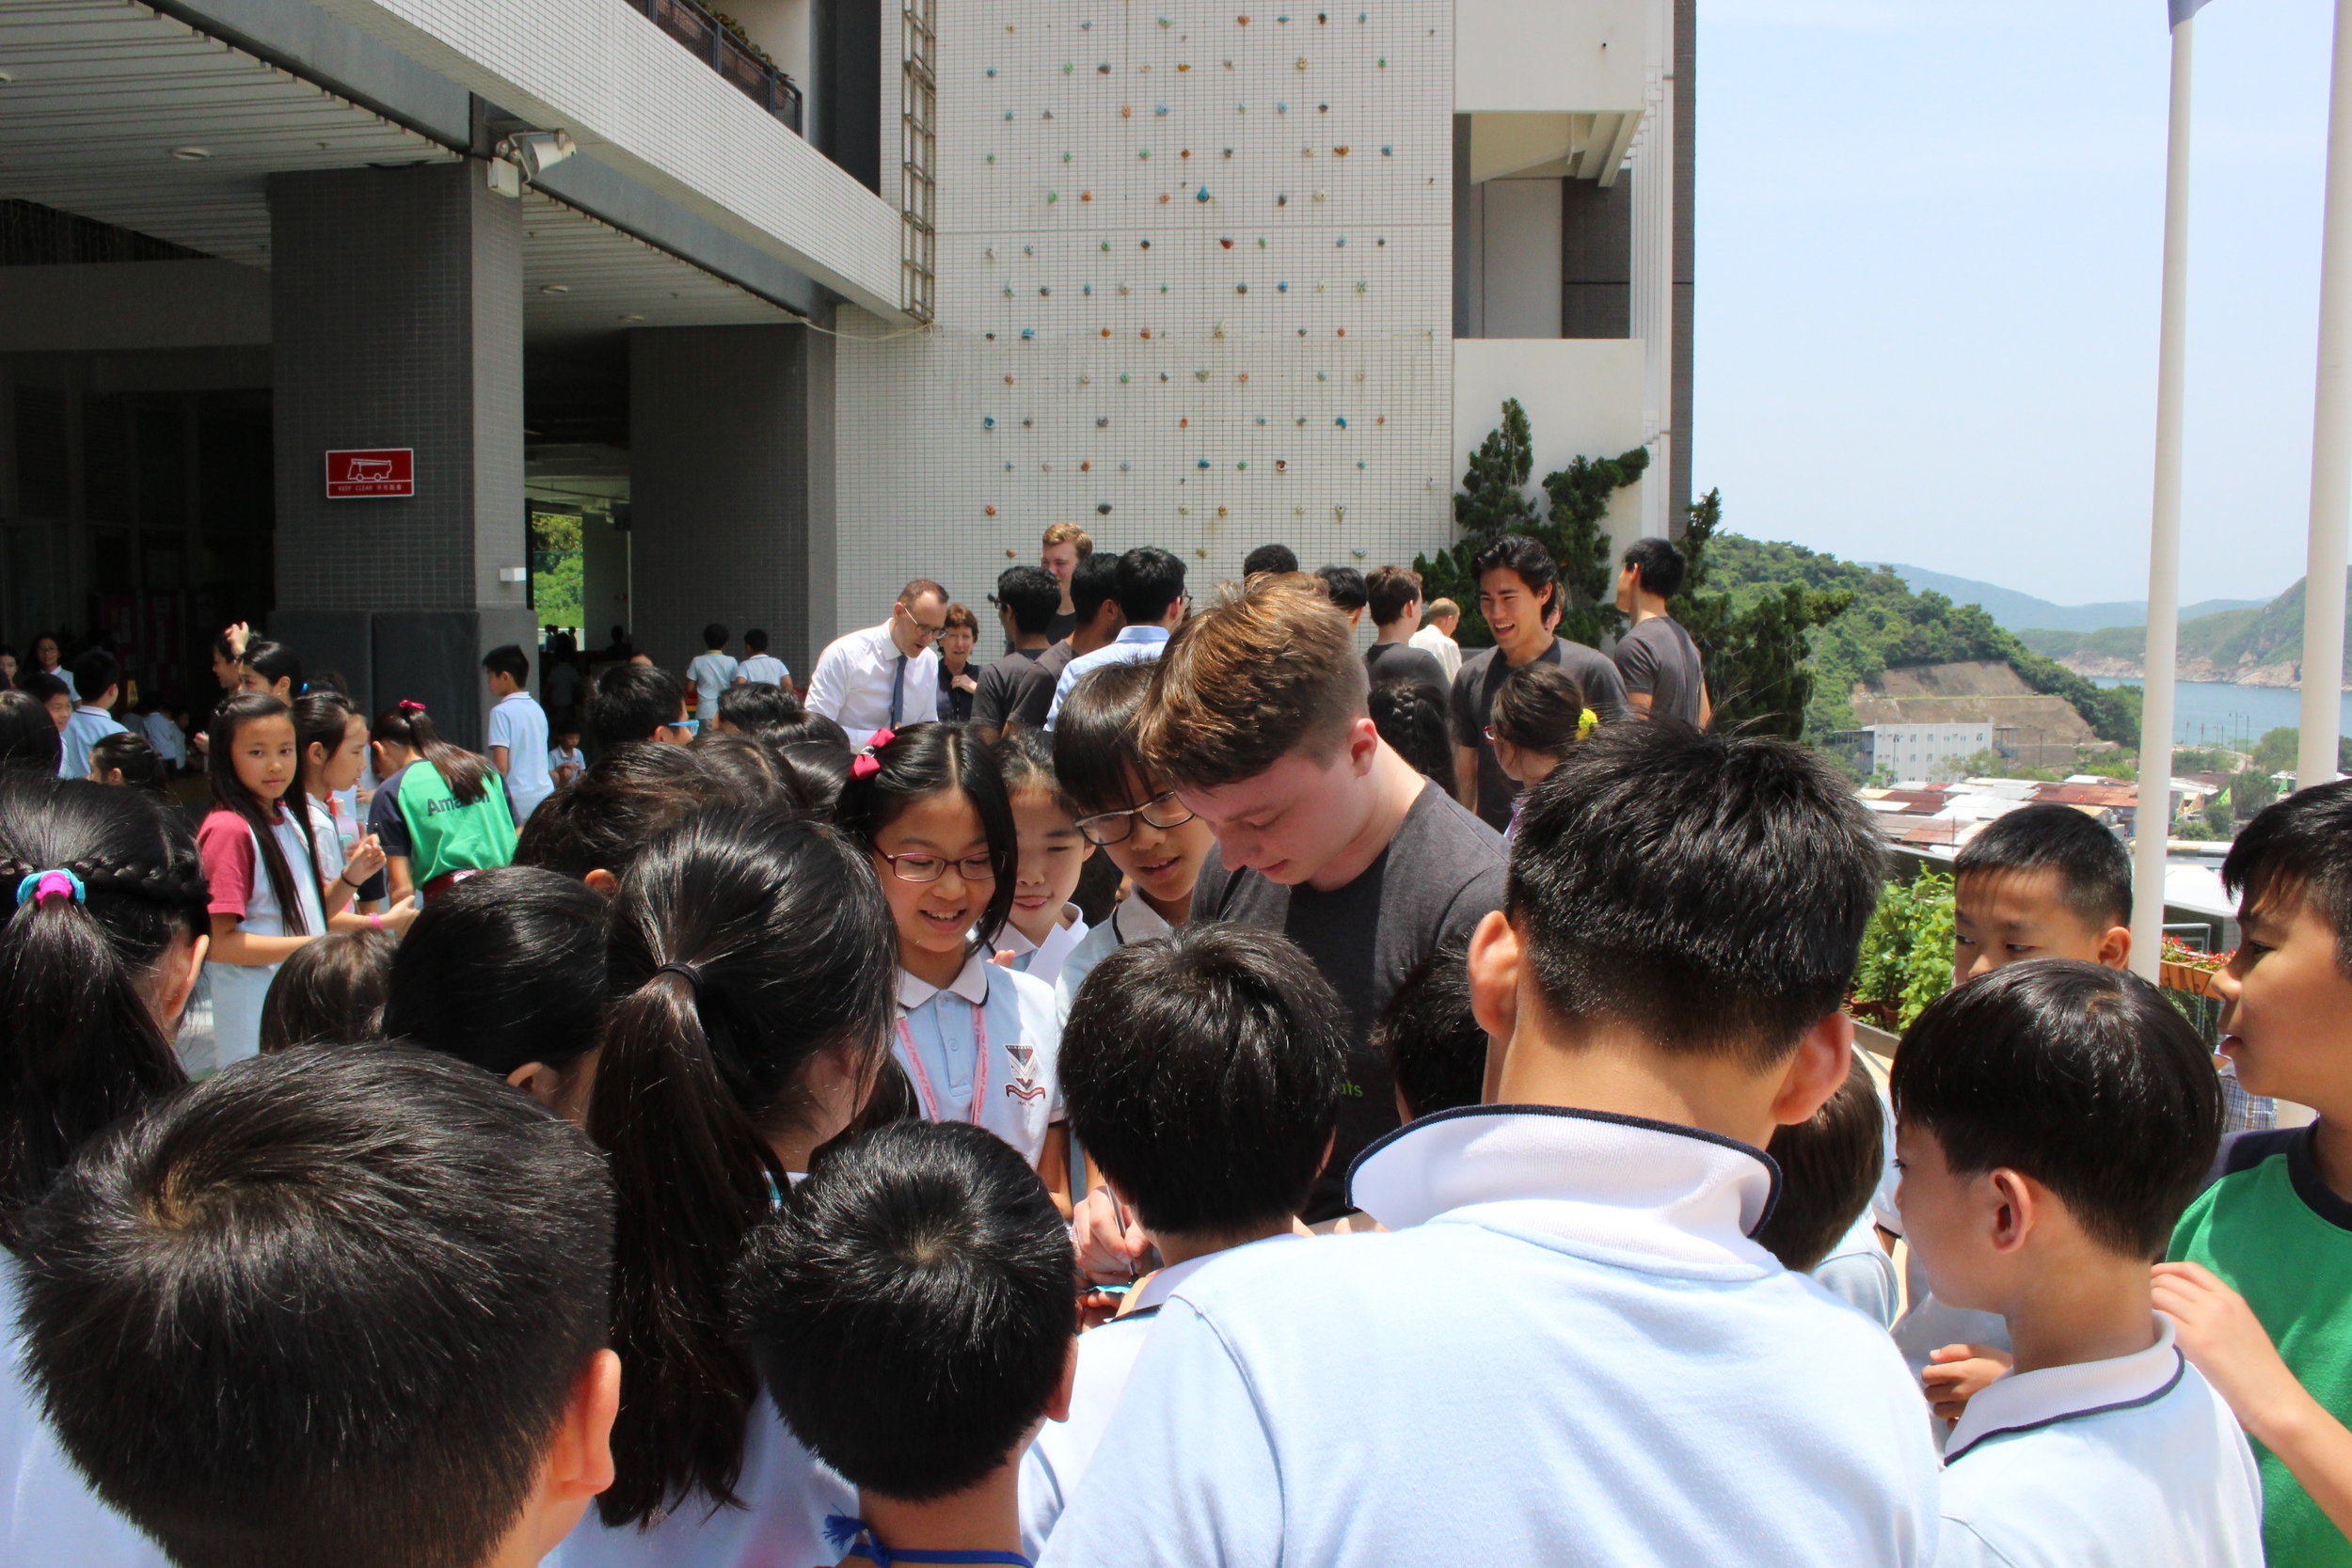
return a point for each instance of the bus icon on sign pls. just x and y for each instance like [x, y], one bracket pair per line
[380, 473]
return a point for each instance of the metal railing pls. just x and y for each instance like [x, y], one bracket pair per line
[703, 33]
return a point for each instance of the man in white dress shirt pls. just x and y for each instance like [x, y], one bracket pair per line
[887, 675]
[1439, 618]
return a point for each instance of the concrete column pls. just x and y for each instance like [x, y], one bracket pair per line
[719, 489]
[396, 318]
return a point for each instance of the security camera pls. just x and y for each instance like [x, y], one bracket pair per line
[536, 151]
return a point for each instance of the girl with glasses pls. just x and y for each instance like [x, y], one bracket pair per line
[978, 1040]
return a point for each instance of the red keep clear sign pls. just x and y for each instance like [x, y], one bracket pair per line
[383, 472]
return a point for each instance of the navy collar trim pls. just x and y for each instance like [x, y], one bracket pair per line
[1613, 1118]
[2179, 1368]
[2303, 1172]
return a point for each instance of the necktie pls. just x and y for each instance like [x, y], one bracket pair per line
[898, 690]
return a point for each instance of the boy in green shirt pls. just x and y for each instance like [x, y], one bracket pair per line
[2276, 1227]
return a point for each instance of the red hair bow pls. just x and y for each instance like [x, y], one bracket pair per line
[866, 763]
[408, 707]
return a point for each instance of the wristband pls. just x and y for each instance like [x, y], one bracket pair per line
[376, 922]
[345, 877]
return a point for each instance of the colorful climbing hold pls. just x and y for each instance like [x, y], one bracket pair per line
[989, 510]
[988, 421]
[1341, 420]
[1201, 195]
[1201, 463]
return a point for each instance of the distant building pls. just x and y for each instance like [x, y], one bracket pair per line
[1914, 751]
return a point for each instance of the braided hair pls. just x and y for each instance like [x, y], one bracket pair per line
[80, 1042]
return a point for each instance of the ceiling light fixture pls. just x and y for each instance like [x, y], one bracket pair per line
[555, 288]
[191, 154]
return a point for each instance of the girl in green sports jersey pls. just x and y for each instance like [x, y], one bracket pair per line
[436, 814]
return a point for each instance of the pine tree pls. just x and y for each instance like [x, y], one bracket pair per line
[1581, 543]
[1493, 501]
[1758, 660]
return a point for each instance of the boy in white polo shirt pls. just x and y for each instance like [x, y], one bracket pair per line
[2052, 1119]
[1567, 1350]
[1202, 1073]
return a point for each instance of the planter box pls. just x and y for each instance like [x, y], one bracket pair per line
[2187, 978]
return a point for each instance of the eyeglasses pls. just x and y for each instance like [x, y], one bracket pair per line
[928, 868]
[1163, 810]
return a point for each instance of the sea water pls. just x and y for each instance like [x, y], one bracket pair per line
[2214, 713]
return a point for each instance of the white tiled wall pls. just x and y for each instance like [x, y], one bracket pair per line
[1194, 291]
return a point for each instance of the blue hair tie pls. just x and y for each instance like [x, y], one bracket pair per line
[39, 887]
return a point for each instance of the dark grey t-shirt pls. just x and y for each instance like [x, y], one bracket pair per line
[1389, 661]
[1473, 700]
[1014, 690]
[1439, 875]
[1658, 656]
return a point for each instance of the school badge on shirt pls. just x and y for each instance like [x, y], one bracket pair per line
[1025, 1086]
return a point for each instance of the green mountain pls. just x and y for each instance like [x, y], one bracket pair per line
[2259, 647]
[2019, 611]
[1889, 626]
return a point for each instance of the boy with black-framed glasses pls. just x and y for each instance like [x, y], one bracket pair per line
[1127, 812]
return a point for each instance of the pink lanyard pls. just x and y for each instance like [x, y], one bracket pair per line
[980, 1066]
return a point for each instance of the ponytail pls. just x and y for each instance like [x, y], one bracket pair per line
[113, 878]
[229, 794]
[741, 944]
[320, 719]
[409, 724]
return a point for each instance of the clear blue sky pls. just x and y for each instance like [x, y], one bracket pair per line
[1929, 239]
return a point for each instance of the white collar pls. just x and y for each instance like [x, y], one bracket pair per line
[89, 708]
[888, 645]
[971, 983]
[1017, 942]
[1136, 921]
[1638, 1191]
[1141, 634]
[1153, 1293]
[2022, 1402]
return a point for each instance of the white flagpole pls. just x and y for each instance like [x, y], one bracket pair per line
[2332, 440]
[2152, 824]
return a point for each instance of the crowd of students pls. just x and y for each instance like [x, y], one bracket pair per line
[1155, 1120]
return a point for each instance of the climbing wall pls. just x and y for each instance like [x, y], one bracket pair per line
[1194, 290]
